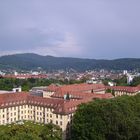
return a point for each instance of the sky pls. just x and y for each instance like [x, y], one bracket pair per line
[100, 29]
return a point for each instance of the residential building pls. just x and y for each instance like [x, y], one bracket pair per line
[57, 106]
[56, 109]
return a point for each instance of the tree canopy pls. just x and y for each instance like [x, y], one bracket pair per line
[30, 132]
[113, 119]
[27, 84]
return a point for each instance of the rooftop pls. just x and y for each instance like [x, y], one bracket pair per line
[60, 106]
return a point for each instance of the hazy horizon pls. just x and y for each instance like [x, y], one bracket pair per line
[81, 29]
[71, 56]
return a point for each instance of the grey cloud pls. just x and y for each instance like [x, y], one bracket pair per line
[98, 29]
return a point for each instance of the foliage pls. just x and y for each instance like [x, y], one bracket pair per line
[30, 132]
[51, 132]
[110, 91]
[114, 119]
[121, 82]
[135, 82]
[27, 84]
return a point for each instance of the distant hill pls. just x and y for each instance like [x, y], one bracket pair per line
[29, 61]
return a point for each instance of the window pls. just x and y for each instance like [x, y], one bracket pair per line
[56, 116]
[57, 122]
[68, 116]
[60, 122]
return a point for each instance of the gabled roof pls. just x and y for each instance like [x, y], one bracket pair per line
[59, 105]
[76, 88]
[124, 88]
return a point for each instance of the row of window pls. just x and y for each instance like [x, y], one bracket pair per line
[24, 107]
[38, 113]
[37, 119]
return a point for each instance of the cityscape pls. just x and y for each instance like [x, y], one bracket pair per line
[69, 70]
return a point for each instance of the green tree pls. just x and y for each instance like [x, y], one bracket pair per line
[31, 132]
[51, 132]
[121, 82]
[114, 119]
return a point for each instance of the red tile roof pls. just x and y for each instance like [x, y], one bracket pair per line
[25, 76]
[124, 88]
[81, 87]
[59, 105]
[76, 88]
[52, 88]
[80, 95]
[71, 105]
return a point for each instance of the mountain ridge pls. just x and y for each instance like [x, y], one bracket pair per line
[30, 61]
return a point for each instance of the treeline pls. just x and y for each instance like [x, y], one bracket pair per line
[123, 81]
[30, 132]
[27, 84]
[114, 119]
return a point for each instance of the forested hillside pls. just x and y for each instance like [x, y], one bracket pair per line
[31, 61]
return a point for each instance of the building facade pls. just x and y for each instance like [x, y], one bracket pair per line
[21, 106]
[57, 105]
[124, 90]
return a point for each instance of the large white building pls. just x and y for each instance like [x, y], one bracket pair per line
[57, 105]
[55, 109]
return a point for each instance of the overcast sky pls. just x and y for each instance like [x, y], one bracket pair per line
[73, 28]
